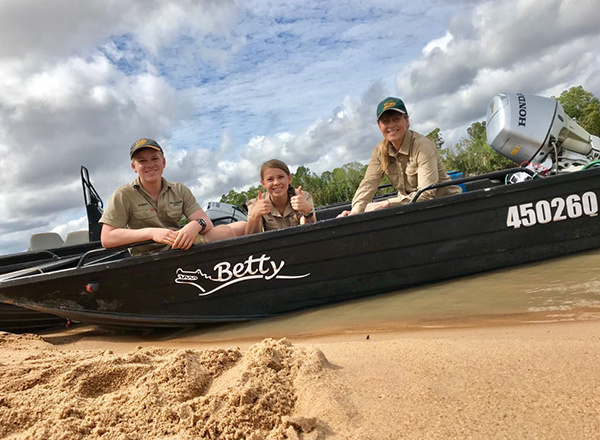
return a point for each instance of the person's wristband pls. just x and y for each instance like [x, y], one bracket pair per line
[202, 224]
[310, 214]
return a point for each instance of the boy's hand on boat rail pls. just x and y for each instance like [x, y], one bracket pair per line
[164, 236]
[186, 236]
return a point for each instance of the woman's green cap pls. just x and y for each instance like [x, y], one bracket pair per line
[391, 103]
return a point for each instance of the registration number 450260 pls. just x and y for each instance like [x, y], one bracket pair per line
[555, 210]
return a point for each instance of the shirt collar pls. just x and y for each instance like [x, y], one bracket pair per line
[287, 211]
[137, 184]
[405, 147]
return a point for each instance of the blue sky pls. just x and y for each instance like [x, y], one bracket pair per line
[225, 85]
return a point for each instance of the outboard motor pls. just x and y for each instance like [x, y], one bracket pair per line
[535, 132]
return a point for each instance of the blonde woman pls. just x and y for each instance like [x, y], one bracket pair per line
[410, 160]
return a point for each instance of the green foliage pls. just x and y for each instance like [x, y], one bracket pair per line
[436, 136]
[473, 155]
[582, 106]
[330, 187]
[241, 198]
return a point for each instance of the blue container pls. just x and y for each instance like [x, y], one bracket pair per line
[457, 175]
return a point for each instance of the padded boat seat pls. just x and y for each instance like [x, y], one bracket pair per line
[77, 237]
[45, 240]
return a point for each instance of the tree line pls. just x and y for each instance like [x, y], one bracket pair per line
[471, 155]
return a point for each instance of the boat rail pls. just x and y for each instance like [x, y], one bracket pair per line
[111, 252]
[51, 254]
[487, 176]
[40, 268]
[78, 261]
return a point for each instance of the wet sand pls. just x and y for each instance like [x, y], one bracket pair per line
[506, 380]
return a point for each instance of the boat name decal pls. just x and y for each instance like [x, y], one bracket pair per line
[225, 274]
[555, 210]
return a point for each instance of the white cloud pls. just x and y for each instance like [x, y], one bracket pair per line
[438, 43]
[505, 46]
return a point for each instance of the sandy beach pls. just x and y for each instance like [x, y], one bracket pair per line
[494, 382]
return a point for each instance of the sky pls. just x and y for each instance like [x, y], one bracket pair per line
[224, 85]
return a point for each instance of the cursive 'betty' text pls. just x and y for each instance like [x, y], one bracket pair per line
[225, 274]
[251, 266]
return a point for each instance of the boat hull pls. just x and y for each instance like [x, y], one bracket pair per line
[277, 272]
[19, 320]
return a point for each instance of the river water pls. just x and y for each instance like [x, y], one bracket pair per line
[563, 289]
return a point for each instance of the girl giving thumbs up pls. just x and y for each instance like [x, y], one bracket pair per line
[281, 206]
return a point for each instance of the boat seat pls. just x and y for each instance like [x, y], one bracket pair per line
[77, 237]
[45, 240]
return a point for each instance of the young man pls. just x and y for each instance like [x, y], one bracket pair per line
[410, 161]
[150, 208]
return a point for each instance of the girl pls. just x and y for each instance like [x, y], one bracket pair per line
[282, 206]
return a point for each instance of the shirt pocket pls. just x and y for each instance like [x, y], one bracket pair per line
[412, 175]
[174, 212]
[143, 218]
[394, 174]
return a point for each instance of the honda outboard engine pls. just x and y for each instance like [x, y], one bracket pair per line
[535, 132]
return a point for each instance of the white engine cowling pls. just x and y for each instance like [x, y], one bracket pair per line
[535, 131]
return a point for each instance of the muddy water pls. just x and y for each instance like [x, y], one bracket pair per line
[562, 289]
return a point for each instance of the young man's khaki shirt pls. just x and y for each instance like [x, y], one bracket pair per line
[417, 165]
[132, 207]
[275, 220]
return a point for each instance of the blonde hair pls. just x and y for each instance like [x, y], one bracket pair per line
[384, 157]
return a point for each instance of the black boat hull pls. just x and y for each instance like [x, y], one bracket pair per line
[19, 319]
[334, 260]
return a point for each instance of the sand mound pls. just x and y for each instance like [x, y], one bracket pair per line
[158, 392]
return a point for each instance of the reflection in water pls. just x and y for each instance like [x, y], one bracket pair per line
[567, 288]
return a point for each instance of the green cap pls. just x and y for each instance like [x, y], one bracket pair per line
[391, 103]
[144, 143]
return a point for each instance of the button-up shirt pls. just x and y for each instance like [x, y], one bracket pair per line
[276, 220]
[416, 165]
[132, 207]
